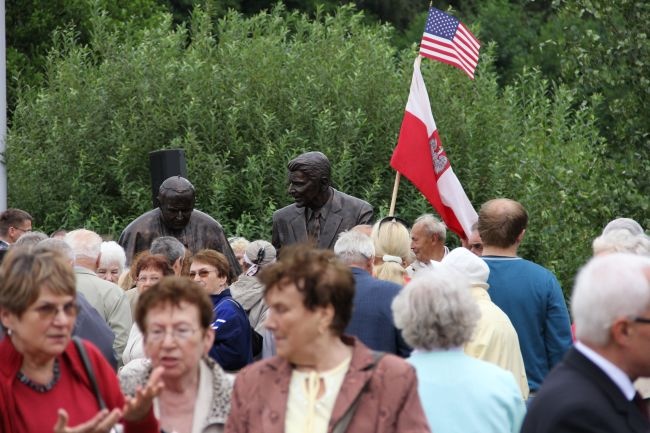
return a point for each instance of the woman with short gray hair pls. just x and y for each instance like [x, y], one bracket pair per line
[437, 316]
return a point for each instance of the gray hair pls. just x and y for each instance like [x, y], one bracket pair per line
[238, 244]
[621, 241]
[624, 224]
[54, 244]
[84, 243]
[432, 225]
[112, 252]
[168, 246]
[354, 248]
[609, 288]
[436, 310]
[30, 239]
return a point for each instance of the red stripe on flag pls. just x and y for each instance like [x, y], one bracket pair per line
[413, 158]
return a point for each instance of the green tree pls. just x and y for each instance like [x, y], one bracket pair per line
[30, 24]
[242, 96]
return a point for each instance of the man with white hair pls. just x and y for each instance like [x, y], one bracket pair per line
[495, 339]
[372, 317]
[591, 389]
[107, 298]
[428, 237]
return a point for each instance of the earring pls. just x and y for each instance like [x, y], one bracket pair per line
[9, 331]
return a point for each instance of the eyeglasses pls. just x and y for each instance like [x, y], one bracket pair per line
[50, 311]
[476, 246]
[393, 218]
[641, 320]
[23, 230]
[203, 273]
[180, 334]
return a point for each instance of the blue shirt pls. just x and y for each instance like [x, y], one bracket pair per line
[372, 317]
[461, 394]
[532, 298]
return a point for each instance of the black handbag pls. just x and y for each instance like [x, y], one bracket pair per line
[89, 371]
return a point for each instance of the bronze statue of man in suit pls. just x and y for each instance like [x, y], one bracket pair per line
[177, 217]
[319, 212]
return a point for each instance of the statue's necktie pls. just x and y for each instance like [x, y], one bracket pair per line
[313, 226]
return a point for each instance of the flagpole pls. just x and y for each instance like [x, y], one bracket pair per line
[393, 200]
[3, 108]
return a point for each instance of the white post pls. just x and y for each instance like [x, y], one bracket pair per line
[3, 109]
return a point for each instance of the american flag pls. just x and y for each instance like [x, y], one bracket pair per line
[447, 40]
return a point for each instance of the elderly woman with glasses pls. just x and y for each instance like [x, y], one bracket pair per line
[437, 316]
[45, 384]
[175, 317]
[149, 269]
[232, 347]
[112, 261]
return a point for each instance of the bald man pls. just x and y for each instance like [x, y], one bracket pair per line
[528, 293]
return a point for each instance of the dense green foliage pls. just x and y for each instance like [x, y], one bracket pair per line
[30, 24]
[600, 49]
[242, 96]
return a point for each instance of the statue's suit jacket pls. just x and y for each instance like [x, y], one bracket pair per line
[345, 212]
[577, 396]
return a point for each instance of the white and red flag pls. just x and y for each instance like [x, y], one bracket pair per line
[420, 157]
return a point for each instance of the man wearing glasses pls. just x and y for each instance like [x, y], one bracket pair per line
[13, 224]
[591, 389]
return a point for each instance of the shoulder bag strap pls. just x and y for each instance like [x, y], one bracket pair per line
[89, 370]
[343, 423]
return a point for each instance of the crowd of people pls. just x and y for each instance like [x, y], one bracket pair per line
[339, 323]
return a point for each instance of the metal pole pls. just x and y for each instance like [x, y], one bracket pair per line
[3, 109]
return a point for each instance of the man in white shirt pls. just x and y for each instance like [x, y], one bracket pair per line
[591, 389]
[428, 237]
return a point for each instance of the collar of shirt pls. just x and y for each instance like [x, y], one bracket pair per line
[617, 375]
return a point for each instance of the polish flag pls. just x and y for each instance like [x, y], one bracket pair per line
[419, 157]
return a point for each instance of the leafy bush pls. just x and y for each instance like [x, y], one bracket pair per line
[242, 96]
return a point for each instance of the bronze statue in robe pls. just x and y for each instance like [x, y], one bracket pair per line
[177, 217]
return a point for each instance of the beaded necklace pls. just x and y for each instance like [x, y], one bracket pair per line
[56, 372]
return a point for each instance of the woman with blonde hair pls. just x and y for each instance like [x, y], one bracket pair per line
[392, 249]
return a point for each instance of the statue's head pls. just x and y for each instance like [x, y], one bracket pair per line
[309, 179]
[176, 197]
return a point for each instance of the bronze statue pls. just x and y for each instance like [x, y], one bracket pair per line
[177, 217]
[319, 212]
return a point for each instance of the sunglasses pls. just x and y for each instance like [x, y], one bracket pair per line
[203, 273]
[393, 218]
